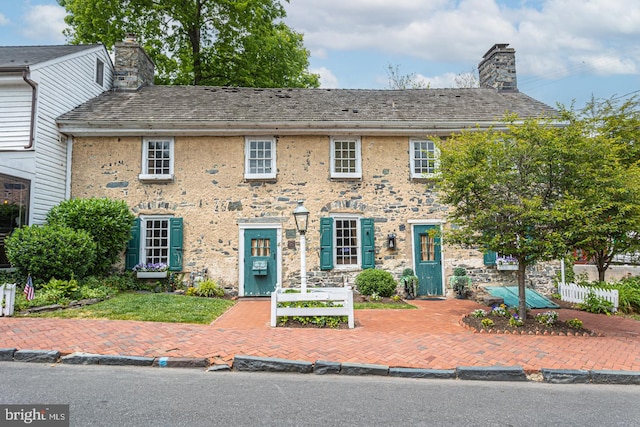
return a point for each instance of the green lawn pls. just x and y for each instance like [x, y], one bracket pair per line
[149, 307]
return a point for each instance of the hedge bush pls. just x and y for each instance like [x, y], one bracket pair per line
[376, 281]
[50, 251]
[108, 222]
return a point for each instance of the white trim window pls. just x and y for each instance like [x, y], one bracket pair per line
[157, 159]
[260, 158]
[347, 241]
[99, 72]
[346, 159]
[424, 158]
[156, 239]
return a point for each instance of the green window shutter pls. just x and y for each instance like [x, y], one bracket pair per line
[132, 256]
[368, 243]
[175, 249]
[326, 243]
[490, 258]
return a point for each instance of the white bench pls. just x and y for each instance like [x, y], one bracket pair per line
[343, 297]
[7, 298]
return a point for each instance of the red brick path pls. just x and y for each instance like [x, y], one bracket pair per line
[430, 337]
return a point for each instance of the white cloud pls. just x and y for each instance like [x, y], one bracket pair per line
[3, 19]
[44, 23]
[328, 80]
[552, 38]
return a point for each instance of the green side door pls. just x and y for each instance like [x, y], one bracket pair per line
[428, 259]
[260, 261]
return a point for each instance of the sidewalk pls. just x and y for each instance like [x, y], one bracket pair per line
[429, 337]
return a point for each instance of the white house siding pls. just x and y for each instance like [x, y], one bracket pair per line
[63, 84]
[15, 113]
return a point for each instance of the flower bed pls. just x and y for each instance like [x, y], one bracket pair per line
[502, 320]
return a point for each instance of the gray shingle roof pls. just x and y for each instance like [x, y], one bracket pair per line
[200, 106]
[24, 56]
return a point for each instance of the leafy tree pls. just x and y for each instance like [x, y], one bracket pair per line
[507, 191]
[108, 222]
[200, 42]
[608, 189]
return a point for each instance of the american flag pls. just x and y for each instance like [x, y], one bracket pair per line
[29, 291]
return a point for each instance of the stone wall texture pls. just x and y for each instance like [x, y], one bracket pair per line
[210, 193]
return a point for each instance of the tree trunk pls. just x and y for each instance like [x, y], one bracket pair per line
[522, 296]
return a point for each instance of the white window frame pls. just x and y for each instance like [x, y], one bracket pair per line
[358, 148]
[143, 235]
[358, 264]
[145, 175]
[412, 160]
[99, 72]
[247, 158]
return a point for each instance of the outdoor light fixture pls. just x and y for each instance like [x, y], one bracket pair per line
[391, 240]
[301, 215]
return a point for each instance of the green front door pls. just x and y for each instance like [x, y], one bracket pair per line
[260, 262]
[428, 261]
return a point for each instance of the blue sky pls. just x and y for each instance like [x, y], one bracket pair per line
[565, 49]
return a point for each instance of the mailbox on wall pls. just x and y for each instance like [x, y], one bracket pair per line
[259, 267]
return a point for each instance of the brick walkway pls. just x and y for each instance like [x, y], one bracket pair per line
[430, 337]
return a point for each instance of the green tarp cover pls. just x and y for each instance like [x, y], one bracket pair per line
[510, 296]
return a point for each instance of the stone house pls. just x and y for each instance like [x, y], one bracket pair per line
[213, 174]
[37, 84]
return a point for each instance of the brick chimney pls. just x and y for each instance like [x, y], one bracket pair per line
[133, 67]
[497, 69]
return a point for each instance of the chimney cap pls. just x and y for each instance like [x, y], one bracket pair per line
[130, 38]
[496, 47]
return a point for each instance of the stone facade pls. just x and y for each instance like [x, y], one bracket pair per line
[209, 191]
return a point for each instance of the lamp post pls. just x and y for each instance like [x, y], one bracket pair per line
[301, 215]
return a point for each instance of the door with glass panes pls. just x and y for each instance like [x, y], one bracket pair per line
[428, 259]
[260, 261]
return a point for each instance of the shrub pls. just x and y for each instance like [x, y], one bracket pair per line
[575, 323]
[595, 304]
[379, 281]
[50, 251]
[209, 288]
[479, 313]
[108, 222]
[547, 318]
[487, 323]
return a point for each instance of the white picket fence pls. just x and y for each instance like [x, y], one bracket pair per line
[571, 292]
[7, 298]
[343, 297]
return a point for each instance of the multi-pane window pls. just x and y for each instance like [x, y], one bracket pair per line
[427, 248]
[157, 158]
[260, 247]
[156, 240]
[345, 158]
[260, 158]
[346, 241]
[424, 158]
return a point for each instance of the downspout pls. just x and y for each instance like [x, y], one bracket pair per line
[34, 98]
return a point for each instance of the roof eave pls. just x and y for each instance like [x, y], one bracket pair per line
[230, 128]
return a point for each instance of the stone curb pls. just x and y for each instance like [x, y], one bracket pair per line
[270, 364]
[38, 356]
[106, 359]
[491, 373]
[321, 367]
